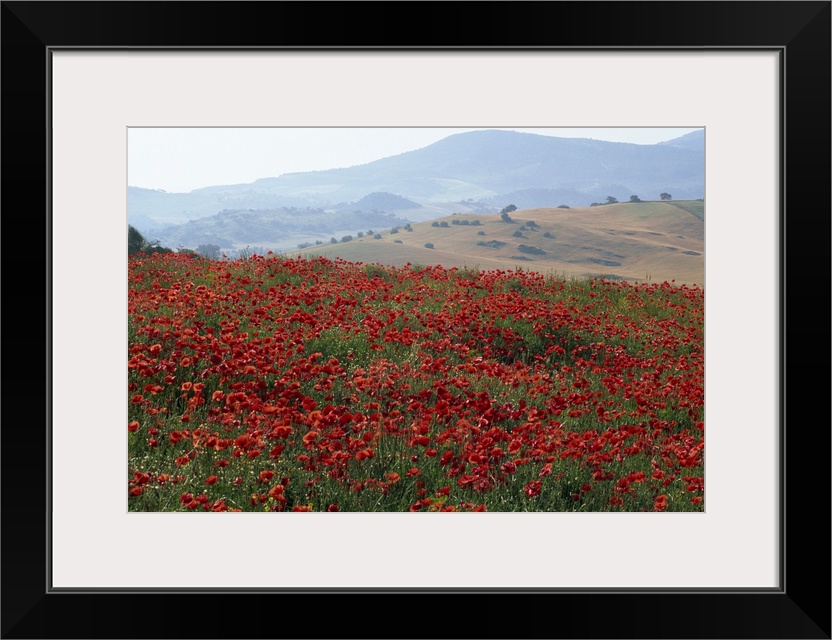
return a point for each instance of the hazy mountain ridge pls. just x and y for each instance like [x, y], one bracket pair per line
[482, 169]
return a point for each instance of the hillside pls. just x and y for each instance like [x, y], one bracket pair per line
[652, 241]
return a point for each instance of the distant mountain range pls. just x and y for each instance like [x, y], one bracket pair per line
[472, 172]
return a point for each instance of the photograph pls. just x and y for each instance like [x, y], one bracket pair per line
[416, 319]
[451, 263]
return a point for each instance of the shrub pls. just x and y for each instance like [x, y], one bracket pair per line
[210, 251]
[428, 245]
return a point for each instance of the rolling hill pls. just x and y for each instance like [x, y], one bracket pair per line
[646, 241]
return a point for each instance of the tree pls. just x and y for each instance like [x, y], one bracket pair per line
[135, 240]
[428, 245]
[635, 199]
[611, 200]
[137, 243]
[508, 209]
[210, 251]
[665, 196]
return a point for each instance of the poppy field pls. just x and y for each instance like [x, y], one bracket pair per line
[277, 384]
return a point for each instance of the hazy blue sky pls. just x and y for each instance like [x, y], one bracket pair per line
[182, 159]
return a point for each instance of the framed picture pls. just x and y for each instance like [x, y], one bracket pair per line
[754, 76]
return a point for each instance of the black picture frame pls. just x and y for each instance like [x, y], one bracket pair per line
[799, 31]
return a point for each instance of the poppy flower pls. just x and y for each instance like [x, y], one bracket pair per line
[533, 488]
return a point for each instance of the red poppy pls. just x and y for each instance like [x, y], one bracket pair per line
[533, 488]
[276, 490]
